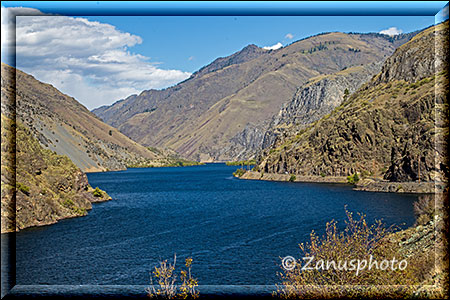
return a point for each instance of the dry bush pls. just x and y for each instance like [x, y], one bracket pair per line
[424, 209]
[357, 242]
[166, 278]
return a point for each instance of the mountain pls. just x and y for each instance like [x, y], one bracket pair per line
[225, 106]
[316, 98]
[62, 124]
[393, 128]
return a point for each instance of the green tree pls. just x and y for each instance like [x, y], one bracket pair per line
[346, 93]
[97, 192]
[353, 179]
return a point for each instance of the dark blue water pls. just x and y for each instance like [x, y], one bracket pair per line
[235, 230]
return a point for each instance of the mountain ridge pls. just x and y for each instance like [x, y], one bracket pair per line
[199, 117]
[62, 124]
[386, 130]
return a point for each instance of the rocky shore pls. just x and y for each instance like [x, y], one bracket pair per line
[252, 175]
[371, 185]
[367, 184]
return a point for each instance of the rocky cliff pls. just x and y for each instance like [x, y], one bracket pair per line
[225, 107]
[316, 98]
[389, 129]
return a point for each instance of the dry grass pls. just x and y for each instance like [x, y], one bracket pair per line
[166, 279]
[424, 209]
[357, 242]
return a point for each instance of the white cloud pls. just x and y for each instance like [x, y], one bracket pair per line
[391, 31]
[289, 36]
[88, 60]
[274, 47]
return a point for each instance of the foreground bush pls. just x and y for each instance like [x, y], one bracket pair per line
[338, 260]
[166, 279]
[424, 209]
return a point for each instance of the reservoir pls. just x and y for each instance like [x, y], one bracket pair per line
[235, 230]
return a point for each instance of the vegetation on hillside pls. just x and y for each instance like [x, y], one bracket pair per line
[359, 261]
[168, 158]
[49, 187]
[60, 123]
[239, 172]
[388, 128]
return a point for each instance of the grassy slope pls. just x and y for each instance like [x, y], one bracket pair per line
[382, 130]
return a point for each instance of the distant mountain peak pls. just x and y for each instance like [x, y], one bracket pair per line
[247, 53]
[250, 47]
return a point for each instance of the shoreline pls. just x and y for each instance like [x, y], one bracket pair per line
[368, 185]
[88, 194]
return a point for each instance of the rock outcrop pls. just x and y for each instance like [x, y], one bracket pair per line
[387, 129]
[317, 98]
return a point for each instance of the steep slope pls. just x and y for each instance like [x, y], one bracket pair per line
[316, 98]
[46, 186]
[62, 124]
[394, 127]
[200, 117]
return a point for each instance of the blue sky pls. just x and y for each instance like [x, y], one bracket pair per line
[188, 43]
[101, 59]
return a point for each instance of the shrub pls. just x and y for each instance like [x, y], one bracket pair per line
[322, 174]
[166, 278]
[424, 209]
[239, 172]
[358, 241]
[292, 178]
[68, 203]
[81, 211]
[23, 188]
[365, 173]
[97, 192]
[353, 179]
